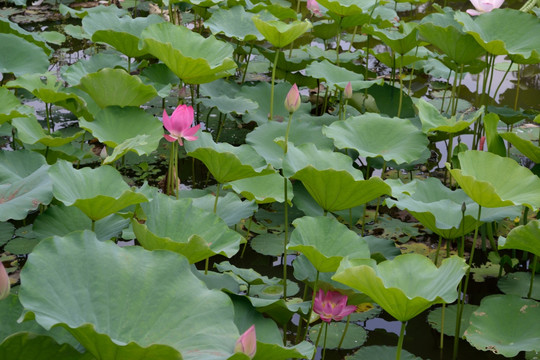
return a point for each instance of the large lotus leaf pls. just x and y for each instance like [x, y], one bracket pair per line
[101, 295]
[518, 283]
[14, 48]
[281, 310]
[114, 125]
[47, 88]
[373, 135]
[497, 33]
[298, 59]
[524, 146]
[193, 58]
[11, 107]
[263, 189]
[179, 226]
[433, 120]
[109, 87]
[27, 346]
[279, 33]
[525, 237]
[122, 33]
[9, 27]
[439, 209]
[446, 316]
[406, 285]
[97, 192]
[441, 30]
[24, 184]
[234, 23]
[29, 131]
[226, 104]
[325, 242]
[338, 76]
[230, 208]
[348, 7]
[400, 41]
[74, 73]
[505, 325]
[53, 222]
[92, 10]
[495, 181]
[227, 162]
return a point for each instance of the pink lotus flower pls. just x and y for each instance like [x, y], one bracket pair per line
[314, 8]
[292, 101]
[484, 6]
[247, 342]
[332, 306]
[179, 124]
[348, 91]
[4, 282]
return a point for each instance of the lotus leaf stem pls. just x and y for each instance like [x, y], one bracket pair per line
[286, 211]
[502, 80]
[517, 86]
[400, 341]
[533, 271]
[315, 284]
[324, 342]
[353, 36]
[441, 341]
[271, 116]
[338, 40]
[247, 63]
[344, 331]
[317, 343]
[300, 327]
[247, 237]
[400, 86]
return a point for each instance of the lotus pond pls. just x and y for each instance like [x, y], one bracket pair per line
[240, 179]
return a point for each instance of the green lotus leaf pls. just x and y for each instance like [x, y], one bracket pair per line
[348, 7]
[400, 41]
[27, 346]
[279, 309]
[496, 32]
[53, 37]
[304, 350]
[518, 283]
[9, 27]
[325, 242]
[63, 9]
[406, 285]
[122, 33]
[234, 23]
[378, 352]
[435, 318]
[524, 146]
[505, 325]
[263, 189]
[14, 48]
[52, 222]
[279, 33]
[193, 58]
[338, 76]
[160, 77]
[11, 107]
[433, 120]
[226, 162]
[115, 125]
[270, 244]
[97, 192]
[494, 142]
[373, 135]
[24, 184]
[102, 300]
[439, 209]
[230, 208]
[494, 181]
[110, 87]
[443, 31]
[226, 104]
[47, 88]
[179, 226]
[316, 53]
[249, 276]
[524, 237]
[355, 337]
[280, 9]
[74, 73]
[29, 131]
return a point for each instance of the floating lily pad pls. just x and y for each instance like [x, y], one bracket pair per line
[179, 226]
[93, 305]
[193, 58]
[97, 192]
[406, 285]
[505, 325]
[518, 283]
[395, 229]
[376, 352]
[263, 189]
[355, 337]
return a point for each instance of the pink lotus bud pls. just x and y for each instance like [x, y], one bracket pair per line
[292, 101]
[4, 282]
[481, 144]
[348, 91]
[484, 6]
[247, 342]
[314, 8]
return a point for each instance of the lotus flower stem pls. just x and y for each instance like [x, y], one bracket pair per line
[461, 304]
[338, 40]
[502, 80]
[324, 342]
[400, 86]
[317, 343]
[315, 284]
[353, 36]
[344, 331]
[517, 87]
[247, 63]
[271, 116]
[441, 341]
[400, 341]
[247, 237]
[533, 271]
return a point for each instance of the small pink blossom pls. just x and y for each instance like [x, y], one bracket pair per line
[332, 306]
[179, 124]
[292, 101]
[484, 6]
[314, 8]
[348, 91]
[247, 342]
[4, 282]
